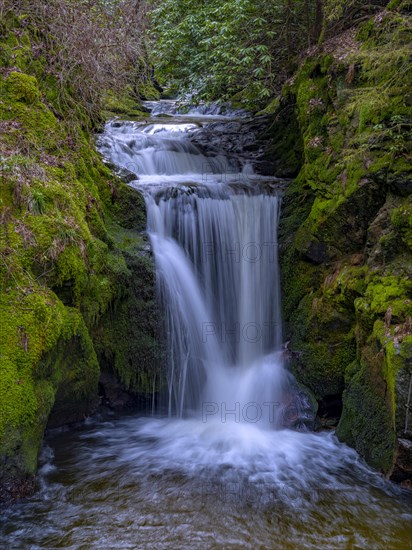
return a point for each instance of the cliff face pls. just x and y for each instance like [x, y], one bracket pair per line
[71, 257]
[347, 232]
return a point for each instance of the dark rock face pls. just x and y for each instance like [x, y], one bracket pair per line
[252, 142]
[113, 395]
[402, 471]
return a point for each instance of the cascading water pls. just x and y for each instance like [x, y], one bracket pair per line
[171, 107]
[217, 268]
[215, 249]
[224, 470]
[162, 154]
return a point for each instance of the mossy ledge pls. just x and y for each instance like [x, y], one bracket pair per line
[346, 234]
[74, 265]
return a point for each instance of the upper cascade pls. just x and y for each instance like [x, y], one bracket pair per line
[172, 107]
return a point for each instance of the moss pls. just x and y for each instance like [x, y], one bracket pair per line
[366, 424]
[377, 394]
[137, 358]
[22, 87]
[74, 367]
[346, 234]
[394, 4]
[129, 208]
[401, 219]
[325, 344]
[390, 291]
[32, 327]
[147, 91]
[126, 105]
[286, 144]
[271, 108]
[62, 266]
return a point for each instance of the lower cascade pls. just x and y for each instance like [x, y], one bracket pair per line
[230, 459]
[217, 270]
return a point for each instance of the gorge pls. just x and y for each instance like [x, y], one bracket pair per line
[206, 320]
[232, 450]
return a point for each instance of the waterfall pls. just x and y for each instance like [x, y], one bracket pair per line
[159, 150]
[216, 255]
[218, 278]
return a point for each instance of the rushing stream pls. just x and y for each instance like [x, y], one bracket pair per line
[233, 464]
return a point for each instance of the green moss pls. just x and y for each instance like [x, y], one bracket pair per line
[377, 393]
[137, 358]
[285, 141]
[271, 108]
[346, 234]
[32, 327]
[325, 342]
[390, 291]
[22, 87]
[62, 271]
[126, 105]
[401, 218]
[366, 424]
[394, 4]
[147, 91]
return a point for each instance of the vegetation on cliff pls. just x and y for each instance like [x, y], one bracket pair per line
[70, 249]
[347, 231]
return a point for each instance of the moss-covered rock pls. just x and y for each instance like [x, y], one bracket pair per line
[22, 87]
[346, 234]
[284, 141]
[67, 279]
[136, 358]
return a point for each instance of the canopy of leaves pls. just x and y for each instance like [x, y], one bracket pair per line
[239, 50]
[219, 49]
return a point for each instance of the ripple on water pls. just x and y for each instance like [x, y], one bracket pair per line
[140, 482]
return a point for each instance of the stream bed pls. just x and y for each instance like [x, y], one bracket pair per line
[134, 482]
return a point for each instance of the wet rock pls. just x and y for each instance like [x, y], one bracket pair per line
[402, 471]
[113, 393]
[15, 488]
[246, 140]
[401, 184]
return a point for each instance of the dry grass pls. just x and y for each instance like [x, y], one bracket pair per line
[90, 46]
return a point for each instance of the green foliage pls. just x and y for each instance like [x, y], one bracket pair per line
[241, 50]
[228, 50]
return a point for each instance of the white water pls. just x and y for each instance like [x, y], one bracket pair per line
[215, 251]
[217, 269]
[215, 477]
[162, 154]
[185, 109]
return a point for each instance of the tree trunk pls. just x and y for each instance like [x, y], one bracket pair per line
[319, 26]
